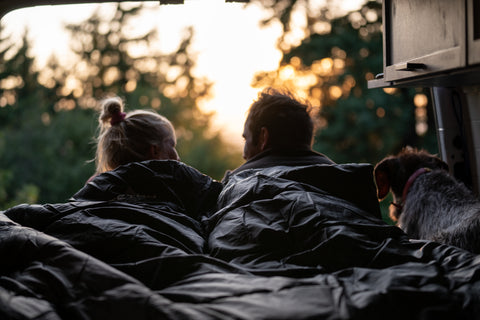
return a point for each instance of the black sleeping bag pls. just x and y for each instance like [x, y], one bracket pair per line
[160, 240]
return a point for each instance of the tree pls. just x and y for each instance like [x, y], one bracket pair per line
[331, 67]
[40, 148]
[164, 82]
[48, 116]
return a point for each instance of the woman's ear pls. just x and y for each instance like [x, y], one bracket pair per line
[153, 152]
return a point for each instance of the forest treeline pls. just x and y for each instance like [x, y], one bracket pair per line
[48, 116]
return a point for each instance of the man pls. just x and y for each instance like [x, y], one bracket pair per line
[279, 131]
[288, 205]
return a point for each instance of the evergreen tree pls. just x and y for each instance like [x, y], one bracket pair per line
[331, 67]
[40, 148]
[48, 119]
[164, 82]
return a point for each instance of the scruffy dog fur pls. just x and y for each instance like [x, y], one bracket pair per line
[437, 207]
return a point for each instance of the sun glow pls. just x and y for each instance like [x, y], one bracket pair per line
[229, 44]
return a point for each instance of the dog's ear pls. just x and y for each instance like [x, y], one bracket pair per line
[435, 162]
[382, 178]
[443, 165]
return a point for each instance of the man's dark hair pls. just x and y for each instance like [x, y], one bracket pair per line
[287, 119]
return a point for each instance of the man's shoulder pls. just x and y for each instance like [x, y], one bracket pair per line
[290, 157]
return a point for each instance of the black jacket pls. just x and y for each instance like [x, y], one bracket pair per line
[160, 240]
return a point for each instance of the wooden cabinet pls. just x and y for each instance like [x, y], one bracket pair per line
[436, 44]
[473, 31]
[424, 37]
[430, 43]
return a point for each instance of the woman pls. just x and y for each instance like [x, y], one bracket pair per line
[132, 137]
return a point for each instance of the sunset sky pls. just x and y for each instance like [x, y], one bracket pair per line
[229, 42]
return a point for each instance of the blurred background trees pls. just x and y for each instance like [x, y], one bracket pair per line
[331, 67]
[48, 116]
[43, 148]
[162, 82]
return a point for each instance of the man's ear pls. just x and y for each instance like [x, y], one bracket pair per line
[263, 139]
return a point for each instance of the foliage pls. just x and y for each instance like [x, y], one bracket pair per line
[42, 150]
[48, 117]
[164, 82]
[331, 67]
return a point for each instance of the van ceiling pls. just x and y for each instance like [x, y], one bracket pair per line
[9, 5]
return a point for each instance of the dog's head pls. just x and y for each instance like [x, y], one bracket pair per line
[392, 173]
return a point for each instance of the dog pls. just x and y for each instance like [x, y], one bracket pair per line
[428, 203]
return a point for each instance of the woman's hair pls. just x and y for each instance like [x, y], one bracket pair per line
[127, 137]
